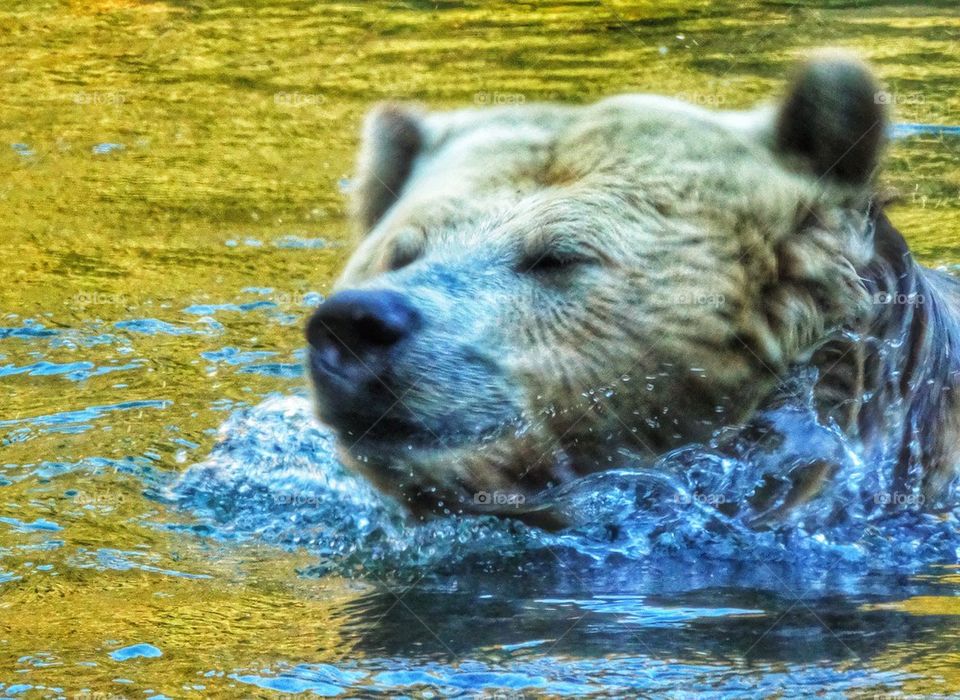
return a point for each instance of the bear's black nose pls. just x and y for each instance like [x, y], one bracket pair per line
[358, 327]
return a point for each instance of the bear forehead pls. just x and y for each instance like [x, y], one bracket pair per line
[633, 159]
[549, 143]
[638, 178]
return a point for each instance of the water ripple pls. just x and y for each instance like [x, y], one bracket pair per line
[82, 418]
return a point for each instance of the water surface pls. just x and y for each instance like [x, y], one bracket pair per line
[171, 208]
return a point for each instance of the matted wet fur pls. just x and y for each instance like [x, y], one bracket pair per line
[539, 287]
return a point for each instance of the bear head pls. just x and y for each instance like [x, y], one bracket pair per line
[541, 289]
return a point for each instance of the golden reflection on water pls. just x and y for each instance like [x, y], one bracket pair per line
[155, 153]
[254, 607]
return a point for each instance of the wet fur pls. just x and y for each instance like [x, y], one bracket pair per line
[891, 380]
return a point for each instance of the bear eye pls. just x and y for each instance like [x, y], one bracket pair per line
[402, 256]
[555, 260]
[407, 247]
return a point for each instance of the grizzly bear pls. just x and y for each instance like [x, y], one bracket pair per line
[539, 287]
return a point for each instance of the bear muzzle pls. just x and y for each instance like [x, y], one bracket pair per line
[358, 328]
[354, 338]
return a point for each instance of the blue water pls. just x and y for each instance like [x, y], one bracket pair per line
[649, 573]
[907, 129]
[136, 651]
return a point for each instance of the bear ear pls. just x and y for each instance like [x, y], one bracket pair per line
[392, 139]
[833, 119]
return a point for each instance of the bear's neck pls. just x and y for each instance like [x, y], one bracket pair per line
[891, 380]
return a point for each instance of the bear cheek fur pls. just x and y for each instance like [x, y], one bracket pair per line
[599, 397]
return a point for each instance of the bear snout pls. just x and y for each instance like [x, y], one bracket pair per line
[353, 337]
[360, 324]
[390, 369]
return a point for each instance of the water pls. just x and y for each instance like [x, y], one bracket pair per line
[172, 210]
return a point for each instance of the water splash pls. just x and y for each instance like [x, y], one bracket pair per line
[717, 514]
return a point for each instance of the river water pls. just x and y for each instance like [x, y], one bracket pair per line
[171, 209]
